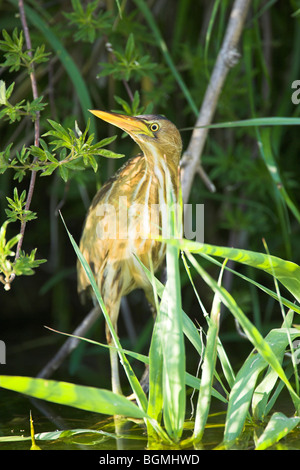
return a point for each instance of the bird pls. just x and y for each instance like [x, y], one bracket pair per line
[121, 224]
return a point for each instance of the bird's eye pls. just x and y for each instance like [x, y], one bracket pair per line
[154, 127]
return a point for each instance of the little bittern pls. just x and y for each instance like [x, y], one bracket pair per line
[120, 227]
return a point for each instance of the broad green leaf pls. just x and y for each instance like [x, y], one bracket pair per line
[77, 396]
[109, 154]
[277, 428]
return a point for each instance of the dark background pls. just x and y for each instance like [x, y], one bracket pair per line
[242, 212]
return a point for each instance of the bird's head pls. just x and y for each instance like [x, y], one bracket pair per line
[155, 135]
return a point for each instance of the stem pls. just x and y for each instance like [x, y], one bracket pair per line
[227, 58]
[36, 128]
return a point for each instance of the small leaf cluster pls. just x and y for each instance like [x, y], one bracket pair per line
[130, 63]
[134, 108]
[67, 150]
[76, 150]
[23, 265]
[15, 55]
[15, 112]
[59, 148]
[17, 209]
[89, 21]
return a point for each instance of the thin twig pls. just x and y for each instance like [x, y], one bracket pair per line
[227, 58]
[70, 344]
[36, 128]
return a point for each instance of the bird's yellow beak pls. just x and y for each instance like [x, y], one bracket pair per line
[132, 125]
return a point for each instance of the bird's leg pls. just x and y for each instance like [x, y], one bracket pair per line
[114, 363]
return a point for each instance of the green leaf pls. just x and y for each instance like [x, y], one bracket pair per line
[287, 272]
[136, 387]
[277, 428]
[24, 265]
[142, 5]
[266, 151]
[255, 122]
[3, 99]
[130, 48]
[243, 389]
[261, 396]
[77, 396]
[109, 154]
[66, 60]
[5, 247]
[49, 169]
[208, 367]
[63, 171]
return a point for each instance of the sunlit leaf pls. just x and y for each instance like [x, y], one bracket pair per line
[77, 396]
[277, 428]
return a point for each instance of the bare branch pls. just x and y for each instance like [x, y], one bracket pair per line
[70, 344]
[227, 58]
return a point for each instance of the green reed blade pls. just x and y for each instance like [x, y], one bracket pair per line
[135, 385]
[277, 428]
[77, 396]
[287, 272]
[141, 4]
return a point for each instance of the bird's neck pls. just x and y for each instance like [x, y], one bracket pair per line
[164, 167]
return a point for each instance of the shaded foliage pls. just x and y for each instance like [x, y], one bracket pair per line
[105, 55]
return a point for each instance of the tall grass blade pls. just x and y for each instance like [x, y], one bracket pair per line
[267, 154]
[77, 396]
[287, 272]
[209, 34]
[262, 393]
[171, 323]
[188, 326]
[243, 389]
[208, 369]
[155, 401]
[135, 385]
[225, 363]
[271, 293]
[133, 354]
[141, 4]
[264, 349]
[281, 209]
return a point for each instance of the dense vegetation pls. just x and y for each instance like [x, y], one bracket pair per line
[139, 56]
